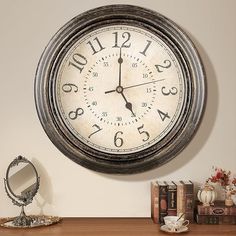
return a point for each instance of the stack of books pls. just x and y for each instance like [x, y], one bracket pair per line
[172, 198]
[217, 214]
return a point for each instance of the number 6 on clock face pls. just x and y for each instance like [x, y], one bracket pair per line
[120, 93]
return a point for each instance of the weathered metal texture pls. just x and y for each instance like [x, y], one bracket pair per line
[159, 153]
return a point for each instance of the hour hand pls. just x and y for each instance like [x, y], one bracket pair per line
[128, 105]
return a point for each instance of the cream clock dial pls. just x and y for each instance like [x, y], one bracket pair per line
[119, 82]
[120, 89]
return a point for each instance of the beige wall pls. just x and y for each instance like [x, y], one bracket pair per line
[68, 189]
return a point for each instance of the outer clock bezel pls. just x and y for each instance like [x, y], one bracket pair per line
[189, 118]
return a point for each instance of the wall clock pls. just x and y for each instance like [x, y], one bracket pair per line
[120, 89]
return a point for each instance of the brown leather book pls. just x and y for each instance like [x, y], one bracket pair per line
[158, 201]
[219, 208]
[171, 198]
[180, 197]
[162, 201]
[216, 220]
[188, 200]
[155, 202]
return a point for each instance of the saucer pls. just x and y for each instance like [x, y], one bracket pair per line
[180, 230]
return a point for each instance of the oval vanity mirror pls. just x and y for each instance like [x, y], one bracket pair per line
[21, 185]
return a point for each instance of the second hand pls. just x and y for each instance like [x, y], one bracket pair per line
[132, 86]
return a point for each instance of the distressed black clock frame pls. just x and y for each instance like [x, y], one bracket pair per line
[173, 142]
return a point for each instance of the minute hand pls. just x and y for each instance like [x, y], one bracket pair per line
[136, 85]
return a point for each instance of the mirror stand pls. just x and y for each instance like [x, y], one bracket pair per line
[22, 219]
[21, 185]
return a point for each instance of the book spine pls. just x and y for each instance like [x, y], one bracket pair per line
[172, 200]
[180, 199]
[216, 220]
[155, 202]
[162, 203]
[214, 210]
[189, 202]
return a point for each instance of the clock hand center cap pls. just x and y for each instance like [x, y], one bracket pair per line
[119, 89]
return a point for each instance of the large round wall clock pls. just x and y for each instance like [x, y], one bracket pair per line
[120, 89]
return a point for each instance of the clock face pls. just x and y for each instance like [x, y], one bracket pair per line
[119, 89]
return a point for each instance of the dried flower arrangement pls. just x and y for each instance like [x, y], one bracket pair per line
[223, 177]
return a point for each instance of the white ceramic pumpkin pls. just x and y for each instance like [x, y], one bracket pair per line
[207, 195]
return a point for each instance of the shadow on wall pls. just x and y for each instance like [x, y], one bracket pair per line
[45, 193]
[202, 134]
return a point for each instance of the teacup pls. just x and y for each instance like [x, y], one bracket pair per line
[173, 223]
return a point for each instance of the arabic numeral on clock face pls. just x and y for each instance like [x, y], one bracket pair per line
[105, 64]
[118, 141]
[74, 114]
[96, 46]
[95, 74]
[97, 129]
[126, 36]
[166, 64]
[146, 48]
[172, 91]
[78, 61]
[163, 115]
[118, 118]
[144, 133]
[67, 88]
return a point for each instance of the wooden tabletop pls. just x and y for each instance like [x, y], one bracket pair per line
[114, 227]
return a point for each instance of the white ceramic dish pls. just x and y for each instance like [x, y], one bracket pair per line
[180, 230]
